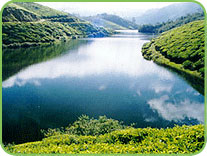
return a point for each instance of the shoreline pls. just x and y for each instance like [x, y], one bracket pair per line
[151, 54]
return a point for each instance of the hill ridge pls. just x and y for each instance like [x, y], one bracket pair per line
[26, 24]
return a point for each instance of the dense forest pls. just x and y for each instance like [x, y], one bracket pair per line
[28, 24]
[103, 135]
[165, 26]
[111, 21]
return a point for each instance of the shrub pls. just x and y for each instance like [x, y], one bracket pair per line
[177, 140]
[188, 65]
[87, 126]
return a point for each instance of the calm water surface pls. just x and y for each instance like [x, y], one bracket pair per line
[102, 76]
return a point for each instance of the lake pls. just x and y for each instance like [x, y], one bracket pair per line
[50, 87]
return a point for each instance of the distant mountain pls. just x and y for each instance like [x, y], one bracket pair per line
[111, 21]
[165, 26]
[30, 24]
[170, 12]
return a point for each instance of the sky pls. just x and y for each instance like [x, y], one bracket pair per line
[117, 8]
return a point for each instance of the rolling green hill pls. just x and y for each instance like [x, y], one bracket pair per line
[16, 13]
[41, 10]
[30, 24]
[181, 49]
[107, 136]
[111, 21]
[165, 26]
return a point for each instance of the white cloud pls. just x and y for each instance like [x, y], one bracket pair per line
[179, 111]
[139, 92]
[159, 87]
[36, 83]
[97, 60]
[150, 119]
[102, 87]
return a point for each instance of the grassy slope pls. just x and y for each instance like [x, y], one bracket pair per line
[16, 13]
[185, 139]
[41, 10]
[42, 25]
[181, 48]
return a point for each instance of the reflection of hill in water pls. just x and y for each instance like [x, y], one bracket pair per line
[16, 59]
[193, 81]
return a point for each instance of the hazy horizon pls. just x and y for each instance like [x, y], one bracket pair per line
[117, 8]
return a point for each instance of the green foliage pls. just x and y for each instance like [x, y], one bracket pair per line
[15, 13]
[88, 126]
[41, 10]
[28, 24]
[177, 140]
[26, 33]
[181, 48]
[188, 65]
[165, 26]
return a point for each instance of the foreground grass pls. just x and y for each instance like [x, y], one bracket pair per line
[177, 140]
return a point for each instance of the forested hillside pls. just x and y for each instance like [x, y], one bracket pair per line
[29, 24]
[111, 21]
[181, 48]
[161, 27]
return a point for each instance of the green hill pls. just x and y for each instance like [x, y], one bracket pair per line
[41, 10]
[29, 24]
[165, 26]
[107, 136]
[111, 21]
[16, 13]
[181, 49]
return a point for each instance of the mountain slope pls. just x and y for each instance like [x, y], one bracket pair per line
[111, 21]
[170, 12]
[16, 13]
[41, 10]
[29, 24]
[181, 49]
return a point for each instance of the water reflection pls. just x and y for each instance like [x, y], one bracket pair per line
[104, 56]
[14, 60]
[177, 111]
[102, 76]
